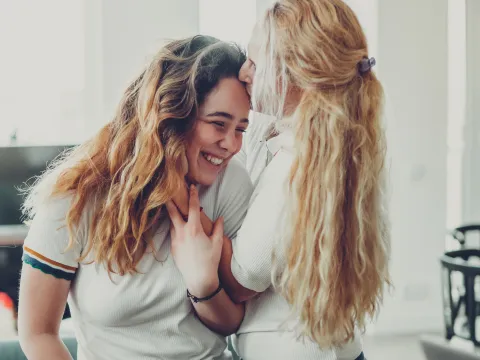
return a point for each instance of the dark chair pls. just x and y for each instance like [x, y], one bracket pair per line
[460, 233]
[461, 295]
[458, 261]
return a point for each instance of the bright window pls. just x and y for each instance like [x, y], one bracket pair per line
[42, 73]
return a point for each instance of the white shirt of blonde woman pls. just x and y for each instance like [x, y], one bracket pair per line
[255, 153]
[262, 335]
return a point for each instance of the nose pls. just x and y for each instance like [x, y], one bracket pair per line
[246, 73]
[231, 143]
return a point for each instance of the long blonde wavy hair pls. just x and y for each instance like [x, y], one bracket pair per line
[337, 240]
[137, 161]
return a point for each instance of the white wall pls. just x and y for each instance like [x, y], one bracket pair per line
[456, 114]
[216, 19]
[122, 35]
[412, 49]
[262, 6]
[471, 195]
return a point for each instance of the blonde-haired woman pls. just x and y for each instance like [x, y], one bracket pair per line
[315, 242]
[100, 233]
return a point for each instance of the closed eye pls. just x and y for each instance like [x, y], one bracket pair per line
[222, 126]
[219, 123]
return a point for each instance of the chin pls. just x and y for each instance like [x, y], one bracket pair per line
[203, 180]
[207, 180]
[206, 174]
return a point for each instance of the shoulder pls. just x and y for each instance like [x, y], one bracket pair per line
[49, 245]
[234, 182]
[55, 207]
[235, 173]
[52, 213]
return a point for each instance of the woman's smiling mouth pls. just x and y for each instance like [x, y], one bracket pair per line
[212, 159]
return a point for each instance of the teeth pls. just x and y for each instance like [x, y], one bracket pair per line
[213, 160]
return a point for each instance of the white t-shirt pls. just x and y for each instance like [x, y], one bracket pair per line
[142, 316]
[255, 153]
[252, 264]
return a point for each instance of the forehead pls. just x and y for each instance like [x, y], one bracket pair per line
[228, 96]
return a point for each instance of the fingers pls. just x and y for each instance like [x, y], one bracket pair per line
[217, 233]
[175, 216]
[194, 207]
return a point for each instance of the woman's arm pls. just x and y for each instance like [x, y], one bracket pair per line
[237, 292]
[197, 255]
[220, 314]
[42, 303]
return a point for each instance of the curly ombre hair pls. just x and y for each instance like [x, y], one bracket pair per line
[337, 240]
[137, 161]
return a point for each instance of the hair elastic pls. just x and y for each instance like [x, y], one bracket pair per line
[366, 64]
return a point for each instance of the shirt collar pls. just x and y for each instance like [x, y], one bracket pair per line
[285, 140]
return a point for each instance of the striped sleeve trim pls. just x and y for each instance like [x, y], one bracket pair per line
[48, 266]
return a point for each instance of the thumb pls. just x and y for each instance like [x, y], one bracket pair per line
[217, 232]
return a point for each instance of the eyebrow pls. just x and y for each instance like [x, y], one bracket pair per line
[225, 115]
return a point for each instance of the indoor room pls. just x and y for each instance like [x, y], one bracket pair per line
[66, 67]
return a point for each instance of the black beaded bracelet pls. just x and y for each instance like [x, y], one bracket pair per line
[197, 300]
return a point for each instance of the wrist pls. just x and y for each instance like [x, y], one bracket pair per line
[205, 288]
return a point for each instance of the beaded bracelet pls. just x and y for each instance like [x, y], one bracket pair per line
[197, 300]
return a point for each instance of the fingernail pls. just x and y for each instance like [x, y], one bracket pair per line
[192, 188]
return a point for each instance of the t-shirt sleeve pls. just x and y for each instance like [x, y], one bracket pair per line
[253, 247]
[45, 247]
[234, 195]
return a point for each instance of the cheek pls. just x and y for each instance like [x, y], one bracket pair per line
[206, 136]
[202, 137]
[191, 147]
[192, 150]
[239, 143]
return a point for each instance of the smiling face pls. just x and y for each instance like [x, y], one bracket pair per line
[217, 134]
